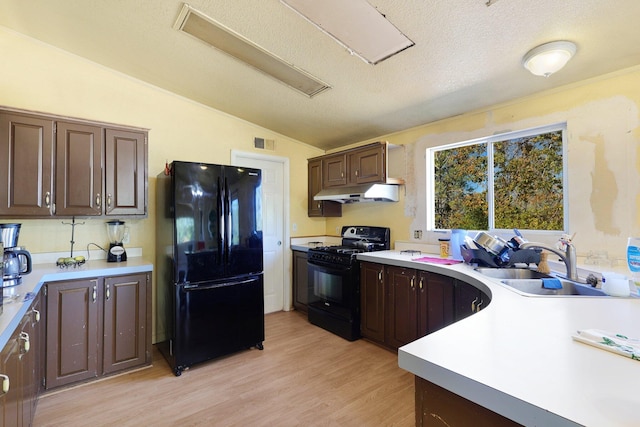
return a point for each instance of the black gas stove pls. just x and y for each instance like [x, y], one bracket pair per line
[355, 240]
[334, 279]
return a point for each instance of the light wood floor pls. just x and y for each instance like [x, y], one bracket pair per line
[305, 376]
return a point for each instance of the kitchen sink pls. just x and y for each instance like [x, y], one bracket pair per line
[511, 273]
[529, 282]
[533, 287]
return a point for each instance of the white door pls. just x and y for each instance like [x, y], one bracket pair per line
[275, 196]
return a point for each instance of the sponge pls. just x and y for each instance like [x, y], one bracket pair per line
[551, 284]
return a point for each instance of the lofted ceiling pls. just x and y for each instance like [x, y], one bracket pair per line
[467, 55]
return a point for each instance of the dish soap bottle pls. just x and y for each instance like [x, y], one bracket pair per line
[633, 259]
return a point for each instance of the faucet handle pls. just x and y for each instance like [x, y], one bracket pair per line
[564, 242]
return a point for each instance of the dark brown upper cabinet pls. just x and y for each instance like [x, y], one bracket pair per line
[367, 164]
[334, 171]
[125, 172]
[318, 207]
[78, 169]
[56, 166]
[26, 153]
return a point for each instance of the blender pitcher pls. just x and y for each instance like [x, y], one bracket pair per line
[115, 232]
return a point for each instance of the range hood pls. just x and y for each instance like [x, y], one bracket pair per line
[360, 193]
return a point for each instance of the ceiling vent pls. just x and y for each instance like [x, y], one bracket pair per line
[204, 28]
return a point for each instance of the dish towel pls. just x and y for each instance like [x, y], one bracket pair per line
[616, 343]
[444, 261]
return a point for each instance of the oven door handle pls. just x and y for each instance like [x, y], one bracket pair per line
[329, 267]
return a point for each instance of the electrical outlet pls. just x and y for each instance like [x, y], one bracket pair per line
[294, 226]
[417, 234]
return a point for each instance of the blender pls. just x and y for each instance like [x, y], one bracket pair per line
[115, 231]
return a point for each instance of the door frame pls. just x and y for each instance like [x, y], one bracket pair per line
[236, 160]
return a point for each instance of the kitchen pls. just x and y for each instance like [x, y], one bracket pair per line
[601, 114]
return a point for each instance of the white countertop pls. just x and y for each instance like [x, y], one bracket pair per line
[516, 357]
[14, 311]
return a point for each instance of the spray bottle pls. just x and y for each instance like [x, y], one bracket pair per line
[633, 259]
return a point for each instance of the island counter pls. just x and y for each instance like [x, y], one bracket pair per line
[517, 357]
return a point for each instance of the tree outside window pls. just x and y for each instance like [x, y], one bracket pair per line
[508, 181]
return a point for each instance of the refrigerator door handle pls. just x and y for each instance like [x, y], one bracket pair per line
[217, 285]
[221, 226]
[228, 222]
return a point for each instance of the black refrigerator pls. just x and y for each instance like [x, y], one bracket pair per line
[209, 292]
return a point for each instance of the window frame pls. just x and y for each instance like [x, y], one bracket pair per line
[489, 140]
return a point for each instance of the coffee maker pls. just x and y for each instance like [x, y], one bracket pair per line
[17, 261]
[115, 231]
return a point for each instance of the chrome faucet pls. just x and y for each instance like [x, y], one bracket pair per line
[568, 257]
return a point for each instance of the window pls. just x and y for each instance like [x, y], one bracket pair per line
[512, 180]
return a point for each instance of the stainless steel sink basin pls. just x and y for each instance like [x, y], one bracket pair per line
[511, 273]
[533, 287]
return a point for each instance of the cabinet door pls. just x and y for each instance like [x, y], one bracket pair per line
[300, 281]
[436, 302]
[72, 331]
[372, 300]
[125, 190]
[436, 406]
[401, 323]
[125, 328]
[334, 171]
[367, 165]
[28, 367]
[10, 368]
[26, 168]
[314, 187]
[468, 300]
[316, 207]
[78, 169]
[37, 316]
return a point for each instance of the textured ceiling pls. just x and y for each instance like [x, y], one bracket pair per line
[467, 55]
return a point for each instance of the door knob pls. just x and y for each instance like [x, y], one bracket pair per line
[279, 243]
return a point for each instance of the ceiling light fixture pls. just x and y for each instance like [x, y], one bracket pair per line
[204, 28]
[548, 58]
[356, 25]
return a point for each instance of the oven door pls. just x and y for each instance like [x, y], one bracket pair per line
[334, 288]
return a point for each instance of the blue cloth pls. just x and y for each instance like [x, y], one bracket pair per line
[551, 284]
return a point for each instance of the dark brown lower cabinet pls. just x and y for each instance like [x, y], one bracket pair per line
[400, 305]
[437, 302]
[127, 317]
[372, 301]
[300, 281]
[419, 303]
[436, 406]
[401, 321]
[11, 370]
[19, 370]
[96, 327]
[469, 300]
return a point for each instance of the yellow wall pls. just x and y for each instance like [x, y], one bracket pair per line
[602, 117]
